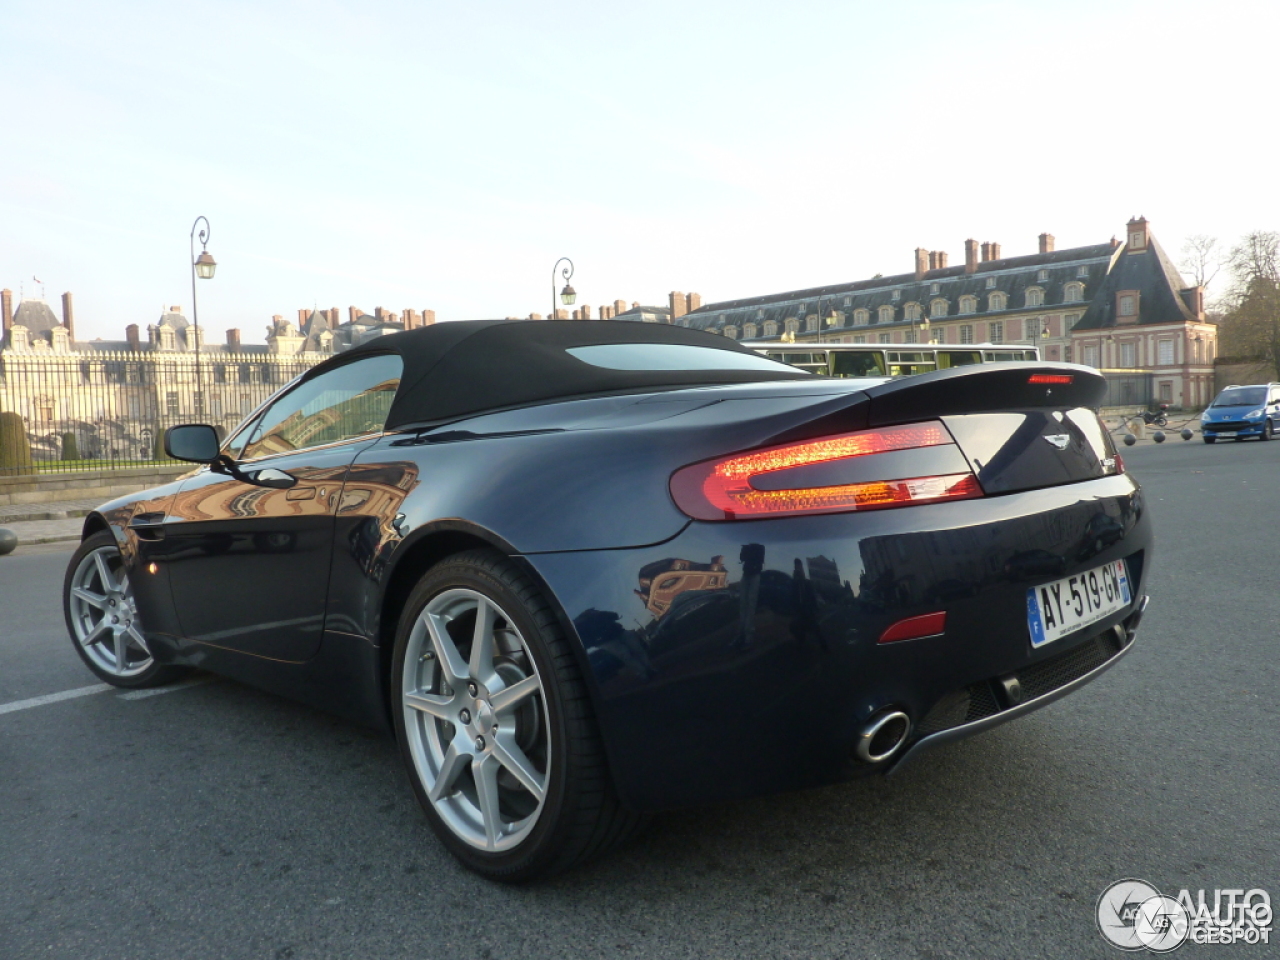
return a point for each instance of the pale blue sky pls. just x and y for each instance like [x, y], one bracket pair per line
[445, 155]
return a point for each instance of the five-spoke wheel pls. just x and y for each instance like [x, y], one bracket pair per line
[103, 618]
[495, 725]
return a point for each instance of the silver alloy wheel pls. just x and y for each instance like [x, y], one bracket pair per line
[476, 723]
[104, 616]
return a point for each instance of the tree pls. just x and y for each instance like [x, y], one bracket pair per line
[70, 449]
[15, 450]
[1202, 258]
[1251, 326]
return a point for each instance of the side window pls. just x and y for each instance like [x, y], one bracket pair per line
[350, 401]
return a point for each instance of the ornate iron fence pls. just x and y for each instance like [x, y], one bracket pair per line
[109, 411]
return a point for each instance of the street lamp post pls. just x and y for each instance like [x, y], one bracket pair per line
[923, 327]
[202, 267]
[568, 295]
[829, 319]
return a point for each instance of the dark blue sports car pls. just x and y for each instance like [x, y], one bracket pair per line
[585, 571]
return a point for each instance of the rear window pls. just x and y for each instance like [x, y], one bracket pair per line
[670, 356]
[1241, 397]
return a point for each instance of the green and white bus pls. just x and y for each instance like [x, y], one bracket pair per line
[888, 359]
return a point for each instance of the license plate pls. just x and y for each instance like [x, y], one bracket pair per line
[1225, 433]
[1065, 606]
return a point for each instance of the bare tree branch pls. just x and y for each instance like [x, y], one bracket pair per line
[1202, 258]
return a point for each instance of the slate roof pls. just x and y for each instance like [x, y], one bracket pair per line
[35, 315]
[1159, 287]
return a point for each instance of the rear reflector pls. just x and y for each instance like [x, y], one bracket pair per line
[1050, 378]
[913, 628]
[721, 489]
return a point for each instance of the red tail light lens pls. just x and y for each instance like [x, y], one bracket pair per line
[721, 489]
[1051, 378]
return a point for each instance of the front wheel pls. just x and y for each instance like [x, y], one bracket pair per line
[97, 601]
[495, 725]
[1210, 439]
[1267, 431]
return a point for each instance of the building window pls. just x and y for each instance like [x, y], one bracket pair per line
[938, 308]
[1128, 305]
[991, 283]
[1073, 292]
[1164, 352]
[860, 318]
[934, 288]
[860, 338]
[1070, 321]
[1127, 354]
[760, 314]
[883, 338]
[749, 331]
[997, 301]
[1035, 297]
[886, 314]
[896, 295]
[771, 328]
[1042, 276]
[966, 333]
[996, 330]
[968, 304]
[792, 325]
[911, 312]
[848, 301]
[1090, 354]
[731, 332]
[1082, 271]
[1166, 391]
[171, 404]
[909, 337]
[1066, 354]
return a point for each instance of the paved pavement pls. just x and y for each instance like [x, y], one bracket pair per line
[215, 821]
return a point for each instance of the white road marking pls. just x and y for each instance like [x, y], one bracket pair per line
[172, 688]
[54, 697]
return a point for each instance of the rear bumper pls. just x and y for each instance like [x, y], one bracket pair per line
[742, 658]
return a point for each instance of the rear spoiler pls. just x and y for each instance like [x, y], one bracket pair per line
[983, 388]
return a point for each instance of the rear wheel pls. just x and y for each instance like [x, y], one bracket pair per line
[495, 726]
[102, 618]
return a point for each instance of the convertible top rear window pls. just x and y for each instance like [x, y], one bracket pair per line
[668, 356]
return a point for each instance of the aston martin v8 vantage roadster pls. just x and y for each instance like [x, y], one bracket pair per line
[585, 571]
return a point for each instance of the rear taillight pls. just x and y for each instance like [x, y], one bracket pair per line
[722, 489]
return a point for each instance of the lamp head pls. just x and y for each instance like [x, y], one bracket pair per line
[568, 295]
[205, 265]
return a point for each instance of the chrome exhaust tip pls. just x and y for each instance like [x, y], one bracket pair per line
[882, 737]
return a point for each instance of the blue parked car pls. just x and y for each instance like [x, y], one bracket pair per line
[1250, 411]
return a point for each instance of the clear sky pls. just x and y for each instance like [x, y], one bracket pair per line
[444, 155]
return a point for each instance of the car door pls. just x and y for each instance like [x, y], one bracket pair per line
[249, 564]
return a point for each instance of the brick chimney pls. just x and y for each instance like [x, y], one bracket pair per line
[428, 317]
[679, 305]
[131, 334]
[695, 301]
[333, 316]
[922, 262]
[1046, 243]
[995, 251]
[986, 252]
[1193, 297]
[1138, 234]
[933, 259]
[6, 309]
[68, 316]
[233, 341]
[970, 256]
[535, 316]
[302, 318]
[379, 313]
[353, 313]
[942, 259]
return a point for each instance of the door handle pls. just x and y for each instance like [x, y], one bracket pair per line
[301, 493]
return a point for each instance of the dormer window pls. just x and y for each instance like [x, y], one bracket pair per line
[911, 311]
[848, 301]
[991, 283]
[938, 308]
[934, 288]
[886, 314]
[968, 304]
[771, 328]
[1073, 293]
[997, 301]
[1042, 276]
[731, 332]
[1082, 271]
[749, 331]
[860, 318]
[1128, 306]
[1035, 297]
[896, 295]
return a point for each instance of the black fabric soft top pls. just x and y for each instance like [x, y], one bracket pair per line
[465, 367]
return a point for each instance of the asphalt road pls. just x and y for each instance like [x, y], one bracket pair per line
[214, 821]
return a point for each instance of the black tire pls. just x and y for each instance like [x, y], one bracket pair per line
[1267, 430]
[112, 645]
[578, 815]
[1210, 439]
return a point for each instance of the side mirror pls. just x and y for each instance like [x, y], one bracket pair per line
[195, 442]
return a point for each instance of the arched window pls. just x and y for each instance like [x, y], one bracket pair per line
[911, 311]
[749, 331]
[886, 314]
[861, 318]
[968, 304]
[997, 301]
[771, 328]
[1073, 292]
[792, 325]
[731, 332]
[810, 323]
[1035, 297]
[938, 308]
